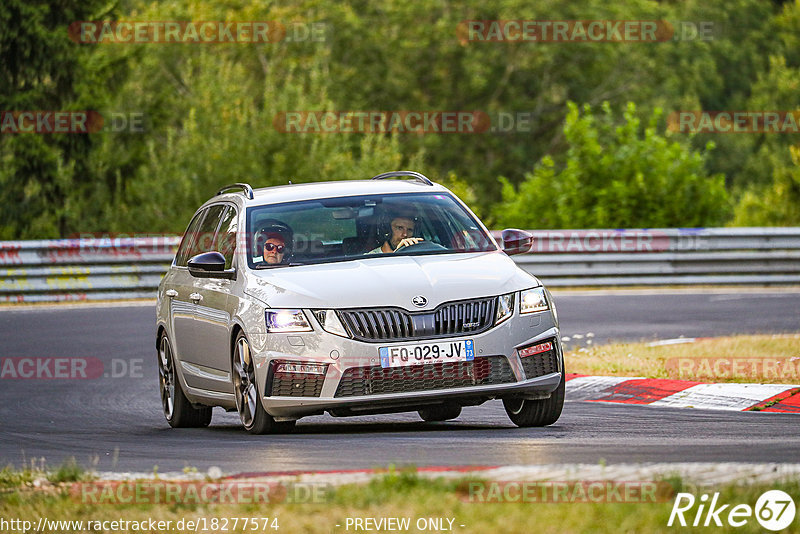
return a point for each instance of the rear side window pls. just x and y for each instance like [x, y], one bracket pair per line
[225, 242]
[182, 256]
[204, 241]
[199, 237]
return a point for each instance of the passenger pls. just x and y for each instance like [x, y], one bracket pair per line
[274, 241]
[398, 234]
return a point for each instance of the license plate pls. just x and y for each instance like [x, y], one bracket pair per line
[423, 353]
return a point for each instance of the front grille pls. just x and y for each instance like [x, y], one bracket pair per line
[540, 364]
[376, 380]
[395, 324]
[294, 384]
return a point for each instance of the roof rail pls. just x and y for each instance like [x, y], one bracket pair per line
[404, 174]
[246, 189]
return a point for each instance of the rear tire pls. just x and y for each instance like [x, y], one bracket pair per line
[542, 412]
[178, 411]
[442, 412]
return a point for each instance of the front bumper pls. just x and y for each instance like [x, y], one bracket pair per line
[539, 387]
[343, 355]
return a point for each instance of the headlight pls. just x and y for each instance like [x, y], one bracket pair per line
[330, 322]
[279, 321]
[505, 308]
[533, 300]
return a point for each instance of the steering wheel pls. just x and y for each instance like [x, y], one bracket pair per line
[422, 246]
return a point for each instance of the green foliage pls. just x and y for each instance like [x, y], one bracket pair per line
[615, 176]
[775, 205]
[43, 176]
[69, 471]
[15, 478]
[387, 487]
[225, 102]
[463, 190]
[209, 110]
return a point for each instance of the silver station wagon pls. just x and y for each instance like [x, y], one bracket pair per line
[352, 298]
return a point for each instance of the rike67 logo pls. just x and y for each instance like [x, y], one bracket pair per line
[774, 510]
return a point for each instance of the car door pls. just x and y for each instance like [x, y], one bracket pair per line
[213, 311]
[189, 299]
[179, 285]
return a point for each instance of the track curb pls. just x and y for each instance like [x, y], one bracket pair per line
[778, 398]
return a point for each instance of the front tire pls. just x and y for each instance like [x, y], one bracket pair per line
[541, 412]
[248, 403]
[177, 409]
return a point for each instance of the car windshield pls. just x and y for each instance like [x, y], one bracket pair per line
[361, 227]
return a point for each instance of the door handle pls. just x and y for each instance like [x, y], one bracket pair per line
[197, 297]
[171, 293]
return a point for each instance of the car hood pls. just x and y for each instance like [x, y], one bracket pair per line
[389, 281]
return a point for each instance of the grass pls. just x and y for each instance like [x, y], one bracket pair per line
[36, 473]
[755, 358]
[396, 495]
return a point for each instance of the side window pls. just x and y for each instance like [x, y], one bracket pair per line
[187, 243]
[204, 242]
[226, 236]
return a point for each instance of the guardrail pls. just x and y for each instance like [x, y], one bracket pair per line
[674, 256]
[84, 269]
[122, 268]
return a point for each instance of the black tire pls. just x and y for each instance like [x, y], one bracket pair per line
[248, 401]
[442, 412]
[178, 411]
[542, 412]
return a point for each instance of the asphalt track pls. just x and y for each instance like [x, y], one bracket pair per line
[115, 424]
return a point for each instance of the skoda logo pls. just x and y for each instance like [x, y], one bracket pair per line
[419, 301]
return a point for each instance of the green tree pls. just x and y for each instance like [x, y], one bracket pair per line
[43, 176]
[615, 176]
[777, 204]
[212, 110]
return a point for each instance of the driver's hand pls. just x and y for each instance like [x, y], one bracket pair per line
[407, 242]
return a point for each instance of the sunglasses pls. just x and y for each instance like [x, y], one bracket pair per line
[272, 246]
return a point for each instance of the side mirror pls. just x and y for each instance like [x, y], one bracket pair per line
[210, 265]
[516, 241]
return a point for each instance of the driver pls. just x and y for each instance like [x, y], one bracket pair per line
[400, 234]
